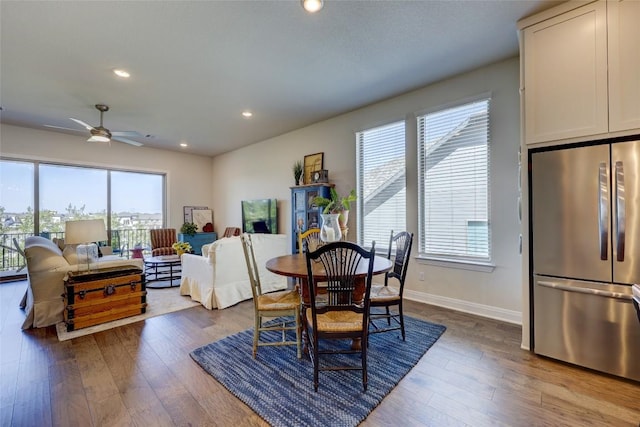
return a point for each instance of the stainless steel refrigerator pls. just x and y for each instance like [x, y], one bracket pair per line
[585, 241]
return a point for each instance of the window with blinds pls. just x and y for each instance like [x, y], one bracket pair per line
[453, 182]
[381, 183]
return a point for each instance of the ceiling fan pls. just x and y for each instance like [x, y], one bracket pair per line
[101, 133]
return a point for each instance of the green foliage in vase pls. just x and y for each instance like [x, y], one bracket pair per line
[189, 228]
[336, 203]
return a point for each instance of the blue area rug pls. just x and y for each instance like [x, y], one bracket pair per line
[279, 386]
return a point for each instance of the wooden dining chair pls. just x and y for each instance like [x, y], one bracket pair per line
[284, 304]
[339, 316]
[384, 296]
[309, 240]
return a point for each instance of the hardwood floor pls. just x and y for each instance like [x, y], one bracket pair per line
[141, 375]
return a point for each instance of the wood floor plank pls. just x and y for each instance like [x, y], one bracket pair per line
[69, 403]
[96, 377]
[135, 392]
[141, 374]
[9, 383]
[182, 407]
[33, 404]
[110, 411]
[154, 415]
[460, 411]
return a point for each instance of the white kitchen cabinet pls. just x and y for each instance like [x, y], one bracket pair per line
[581, 72]
[565, 75]
[623, 18]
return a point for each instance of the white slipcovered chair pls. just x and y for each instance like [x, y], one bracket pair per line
[218, 278]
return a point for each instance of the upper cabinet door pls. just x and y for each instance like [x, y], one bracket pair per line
[624, 64]
[565, 75]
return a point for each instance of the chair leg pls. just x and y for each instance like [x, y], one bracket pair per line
[256, 333]
[305, 332]
[316, 365]
[401, 319]
[388, 316]
[298, 334]
[363, 355]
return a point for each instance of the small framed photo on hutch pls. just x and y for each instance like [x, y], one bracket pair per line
[312, 162]
[311, 195]
[312, 220]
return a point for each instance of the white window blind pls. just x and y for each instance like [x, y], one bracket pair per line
[453, 175]
[381, 183]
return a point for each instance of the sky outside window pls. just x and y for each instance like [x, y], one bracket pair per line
[136, 192]
[64, 186]
[16, 186]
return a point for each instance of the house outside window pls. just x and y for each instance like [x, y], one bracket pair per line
[381, 183]
[453, 183]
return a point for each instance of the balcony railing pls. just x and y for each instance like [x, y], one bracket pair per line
[122, 241]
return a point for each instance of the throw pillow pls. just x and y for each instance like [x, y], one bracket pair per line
[59, 242]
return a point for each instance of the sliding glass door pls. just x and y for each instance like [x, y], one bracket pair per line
[37, 198]
[17, 219]
[137, 204]
[70, 193]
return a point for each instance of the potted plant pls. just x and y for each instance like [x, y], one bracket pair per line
[189, 228]
[297, 171]
[337, 204]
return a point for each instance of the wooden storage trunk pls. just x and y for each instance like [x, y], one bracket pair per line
[103, 295]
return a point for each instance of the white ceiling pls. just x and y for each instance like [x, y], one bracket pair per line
[196, 65]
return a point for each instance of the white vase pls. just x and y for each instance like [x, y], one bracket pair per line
[330, 228]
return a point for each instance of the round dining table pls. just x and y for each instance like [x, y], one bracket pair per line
[296, 266]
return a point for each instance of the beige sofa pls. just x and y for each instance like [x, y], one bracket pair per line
[218, 278]
[47, 266]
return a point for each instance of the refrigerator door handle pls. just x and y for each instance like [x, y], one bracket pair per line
[620, 211]
[598, 292]
[603, 211]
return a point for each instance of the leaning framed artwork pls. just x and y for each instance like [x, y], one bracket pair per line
[312, 162]
[188, 212]
[202, 217]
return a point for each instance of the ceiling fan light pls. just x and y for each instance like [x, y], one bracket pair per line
[98, 138]
[312, 6]
[121, 73]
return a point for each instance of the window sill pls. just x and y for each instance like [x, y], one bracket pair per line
[457, 264]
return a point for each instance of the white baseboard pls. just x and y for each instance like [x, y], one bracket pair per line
[509, 316]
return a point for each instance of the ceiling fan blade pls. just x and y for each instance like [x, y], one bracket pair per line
[131, 133]
[127, 141]
[80, 122]
[60, 127]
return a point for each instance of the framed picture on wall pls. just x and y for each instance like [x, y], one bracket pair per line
[312, 162]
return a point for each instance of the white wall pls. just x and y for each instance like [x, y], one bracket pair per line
[188, 177]
[264, 170]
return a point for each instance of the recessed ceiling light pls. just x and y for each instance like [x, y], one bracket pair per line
[183, 144]
[312, 6]
[247, 114]
[121, 73]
